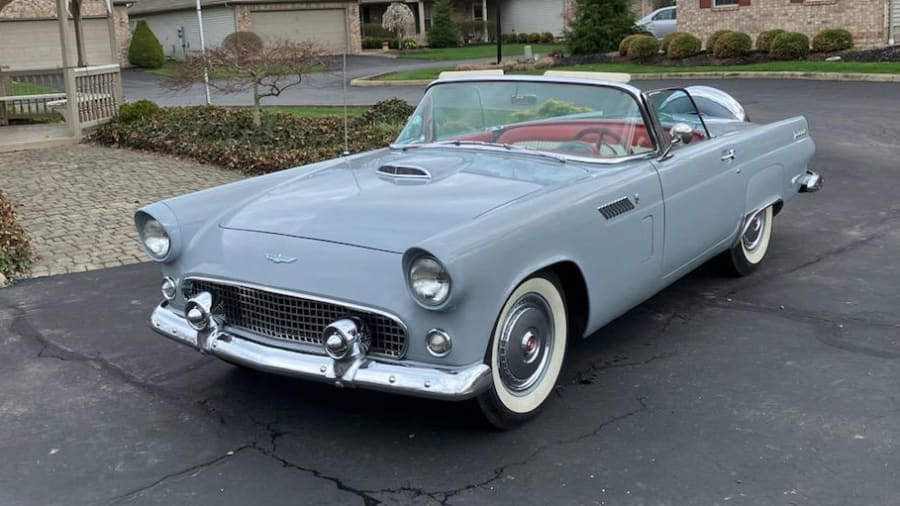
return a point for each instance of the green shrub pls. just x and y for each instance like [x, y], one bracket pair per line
[509, 38]
[226, 136]
[833, 39]
[789, 46]
[145, 50]
[624, 43]
[371, 43]
[15, 247]
[668, 40]
[732, 45]
[534, 38]
[409, 44]
[139, 110]
[522, 38]
[243, 41]
[643, 47]
[764, 39]
[711, 40]
[547, 38]
[394, 110]
[444, 32]
[599, 25]
[684, 45]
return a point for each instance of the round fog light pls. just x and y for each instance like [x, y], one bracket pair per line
[168, 288]
[438, 343]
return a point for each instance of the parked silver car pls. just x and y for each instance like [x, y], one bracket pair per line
[660, 22]
[513, 215]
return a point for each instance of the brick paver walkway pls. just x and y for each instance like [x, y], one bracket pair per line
[77, 202]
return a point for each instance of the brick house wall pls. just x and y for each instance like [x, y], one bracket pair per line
[865, 19]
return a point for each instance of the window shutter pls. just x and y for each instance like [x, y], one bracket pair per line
[705, 4]
[796, 1]
[743, 3]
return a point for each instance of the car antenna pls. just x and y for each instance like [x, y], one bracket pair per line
[344, 93]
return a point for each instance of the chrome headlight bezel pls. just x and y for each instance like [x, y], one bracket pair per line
[159, 227]
[421, 269]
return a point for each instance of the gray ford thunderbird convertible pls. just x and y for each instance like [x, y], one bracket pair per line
[512, 216]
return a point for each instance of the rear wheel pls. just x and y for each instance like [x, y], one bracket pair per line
[526, 353]
[751, 249]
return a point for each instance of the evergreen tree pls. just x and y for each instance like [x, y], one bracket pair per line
[444, 32]
[599, 25]
[145, 50]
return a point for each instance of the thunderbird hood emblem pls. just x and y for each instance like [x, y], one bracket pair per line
[278, 258]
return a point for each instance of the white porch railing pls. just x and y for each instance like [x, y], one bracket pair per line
[99, 93]
[26, 94]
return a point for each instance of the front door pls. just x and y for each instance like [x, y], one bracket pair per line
[701, 182]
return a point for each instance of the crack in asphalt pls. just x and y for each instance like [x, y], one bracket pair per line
[119, 499]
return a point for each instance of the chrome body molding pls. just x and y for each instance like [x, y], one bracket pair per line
[360, 371]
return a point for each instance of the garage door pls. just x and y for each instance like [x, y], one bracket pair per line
[35, 44]
[325, 26]
[527, 16]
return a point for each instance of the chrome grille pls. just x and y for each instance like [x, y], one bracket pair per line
[293, 318]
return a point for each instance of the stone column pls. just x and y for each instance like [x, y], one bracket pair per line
[72, 119]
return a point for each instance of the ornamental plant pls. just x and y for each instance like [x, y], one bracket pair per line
[145, 50]
[711, 40]
[15, 247]
[684, 45]
[732, 45]
[444, 32]
[643, 47]
[599, 25]
[833, 39]
[399, 20]
[668, 40]
[764, 39]
[790, 46]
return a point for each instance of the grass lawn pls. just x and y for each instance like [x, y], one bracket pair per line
[632, 68]
[31, 89]
[316, 111]
[483, 51]
[170, 67]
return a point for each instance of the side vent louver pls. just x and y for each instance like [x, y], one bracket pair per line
[615, 208]
[404, 172]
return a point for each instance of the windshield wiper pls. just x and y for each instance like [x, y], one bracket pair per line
[508, 147]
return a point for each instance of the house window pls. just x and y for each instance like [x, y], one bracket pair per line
[720, 3]
[477, 12]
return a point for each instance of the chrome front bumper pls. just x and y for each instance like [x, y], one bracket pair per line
[361, 372]
[809, 182]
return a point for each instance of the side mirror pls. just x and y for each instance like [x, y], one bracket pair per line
[682, 133]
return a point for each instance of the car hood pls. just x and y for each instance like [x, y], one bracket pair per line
[363, 202]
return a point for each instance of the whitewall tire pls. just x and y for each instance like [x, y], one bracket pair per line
[752, 246]
[526, 353]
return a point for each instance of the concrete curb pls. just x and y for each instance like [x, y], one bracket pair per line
[370, 81]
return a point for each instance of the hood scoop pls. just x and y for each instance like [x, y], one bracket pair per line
[404, 174]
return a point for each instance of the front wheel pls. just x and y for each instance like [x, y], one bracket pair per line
[751, 249]
[526, 353]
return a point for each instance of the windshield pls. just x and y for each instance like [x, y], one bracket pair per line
[570, 119]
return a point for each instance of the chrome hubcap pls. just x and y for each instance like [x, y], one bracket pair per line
[526, 342]
[754, 233]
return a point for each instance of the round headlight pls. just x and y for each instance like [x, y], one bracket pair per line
[155, 238]
[429, 281]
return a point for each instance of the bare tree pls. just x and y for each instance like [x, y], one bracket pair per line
[399, 20]
[245, 63]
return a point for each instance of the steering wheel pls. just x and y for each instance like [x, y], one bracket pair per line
[603, 133]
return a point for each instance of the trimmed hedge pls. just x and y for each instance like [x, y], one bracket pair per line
[15, 247]
[764, 39]
[547, 38]
[789, 46]
[684, 45]
[623, 45]
[134, 111]
[643, 47]
[732, 45]
[711, 40]
[145, 50]
[833, 39]
[226, 136]
[522, 38]
[668, 40]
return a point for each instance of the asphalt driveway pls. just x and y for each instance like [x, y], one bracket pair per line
[779, 388]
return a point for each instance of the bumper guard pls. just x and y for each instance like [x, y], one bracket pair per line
[360, 371]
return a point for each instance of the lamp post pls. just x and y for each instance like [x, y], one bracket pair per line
[203, 52]
[499, 37]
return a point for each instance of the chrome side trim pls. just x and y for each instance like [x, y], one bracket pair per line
[291, 293]
[457, 383]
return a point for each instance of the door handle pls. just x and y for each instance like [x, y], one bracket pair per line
[728, 154]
